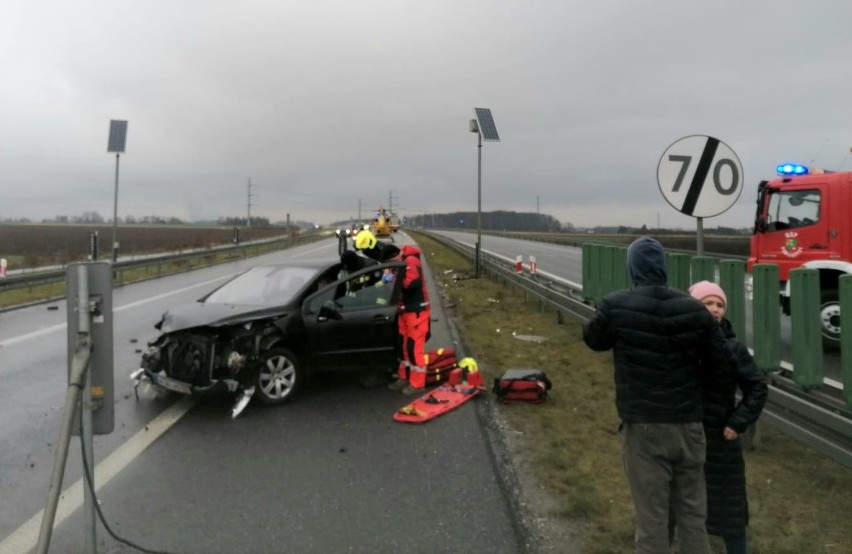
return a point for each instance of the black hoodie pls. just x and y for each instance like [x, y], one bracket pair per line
[663, 341]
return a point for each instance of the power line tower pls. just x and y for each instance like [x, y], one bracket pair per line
[248, 202]
[391, 198]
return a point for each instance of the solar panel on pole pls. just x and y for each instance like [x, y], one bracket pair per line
[486, 125]
[117, 135]
[115, 143]
[486, 130]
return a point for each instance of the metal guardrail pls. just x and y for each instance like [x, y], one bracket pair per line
[733, 247]
[812, 418]
[156, 263]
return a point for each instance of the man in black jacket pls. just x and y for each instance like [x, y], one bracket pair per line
[663, 342]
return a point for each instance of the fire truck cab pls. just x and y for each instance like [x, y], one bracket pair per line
[803, 220]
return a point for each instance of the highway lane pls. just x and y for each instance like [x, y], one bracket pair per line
[34, 376]
[331, 471]
[565, 263]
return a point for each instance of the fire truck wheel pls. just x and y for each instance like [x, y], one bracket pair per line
[829, 317]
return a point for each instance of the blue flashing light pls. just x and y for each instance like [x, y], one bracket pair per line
[792, 169]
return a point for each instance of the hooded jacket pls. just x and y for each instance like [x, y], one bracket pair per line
[415, 297]
[663, 340]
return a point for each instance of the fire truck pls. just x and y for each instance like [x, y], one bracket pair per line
[804, 220]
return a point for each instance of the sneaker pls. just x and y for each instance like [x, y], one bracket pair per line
[409, 390]
[399, 384]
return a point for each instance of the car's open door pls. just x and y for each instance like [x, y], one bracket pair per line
[351, 325]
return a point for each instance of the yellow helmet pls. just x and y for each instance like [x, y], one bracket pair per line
[365, 240]
[469, 365]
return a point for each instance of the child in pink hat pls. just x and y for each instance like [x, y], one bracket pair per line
[724, 421]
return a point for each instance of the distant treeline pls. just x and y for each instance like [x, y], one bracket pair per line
[499, 220]
[95, 218]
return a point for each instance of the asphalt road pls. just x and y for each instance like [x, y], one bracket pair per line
[330, 472]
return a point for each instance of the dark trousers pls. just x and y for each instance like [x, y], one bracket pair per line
[664, 464]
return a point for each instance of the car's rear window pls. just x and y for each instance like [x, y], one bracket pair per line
[263, 285]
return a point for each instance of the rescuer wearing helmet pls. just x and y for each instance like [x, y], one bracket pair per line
[414, 315]
[413, 309]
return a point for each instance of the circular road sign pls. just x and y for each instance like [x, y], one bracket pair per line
[700, 176]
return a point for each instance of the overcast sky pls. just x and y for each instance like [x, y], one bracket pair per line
[328, 103]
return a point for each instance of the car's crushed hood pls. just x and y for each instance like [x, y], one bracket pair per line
[215, 315]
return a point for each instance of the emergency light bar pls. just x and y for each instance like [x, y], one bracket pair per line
[792, 169]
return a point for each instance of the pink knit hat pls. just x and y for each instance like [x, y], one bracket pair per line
[703, 289]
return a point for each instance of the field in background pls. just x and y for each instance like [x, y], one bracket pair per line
[34, 245]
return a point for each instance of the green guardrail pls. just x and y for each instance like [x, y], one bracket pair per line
[604, 270]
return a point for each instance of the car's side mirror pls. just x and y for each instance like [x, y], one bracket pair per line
[330, 310]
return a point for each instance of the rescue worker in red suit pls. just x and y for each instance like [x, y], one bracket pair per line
[414, 316]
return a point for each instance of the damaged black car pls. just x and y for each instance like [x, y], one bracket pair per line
[261, 334]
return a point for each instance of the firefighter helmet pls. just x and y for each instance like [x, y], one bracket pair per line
[468, 365]
[365, 240]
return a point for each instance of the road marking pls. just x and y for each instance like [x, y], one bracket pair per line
[165, 294]
[61, 326]
[25, 537]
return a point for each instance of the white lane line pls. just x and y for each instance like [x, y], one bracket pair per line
[165, 294]
[25, 537]
[58, 327]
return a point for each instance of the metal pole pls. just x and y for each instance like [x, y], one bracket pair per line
[86, 416]
[478, 202]
[115, 215]
[700, 236]
[79, 372]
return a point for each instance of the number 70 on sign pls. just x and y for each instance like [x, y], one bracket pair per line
[700, 176]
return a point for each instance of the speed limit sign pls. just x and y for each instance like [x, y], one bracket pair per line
[700, 176]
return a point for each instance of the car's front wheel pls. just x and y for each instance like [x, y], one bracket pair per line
[279, 376]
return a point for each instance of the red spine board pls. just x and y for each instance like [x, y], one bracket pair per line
[435, 403]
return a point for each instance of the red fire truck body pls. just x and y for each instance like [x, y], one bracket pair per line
[806, 221]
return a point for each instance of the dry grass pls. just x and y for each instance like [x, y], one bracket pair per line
[800, 501]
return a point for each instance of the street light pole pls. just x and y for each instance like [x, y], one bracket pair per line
[116, 142]
[485, 129]
[478, 202]
[115, 215]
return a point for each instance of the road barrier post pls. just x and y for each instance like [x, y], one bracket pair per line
[731, 279]
[587, 270]
[766, 317]
[620, 278]
[703, 268]
[678, 271]
[805, 328]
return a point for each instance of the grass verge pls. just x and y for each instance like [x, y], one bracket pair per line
[800, 500]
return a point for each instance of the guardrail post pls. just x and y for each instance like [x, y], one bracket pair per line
[846, 339]
[732, 281]
[703, 268]
[766, 317]
[587, 271]
[607, 270]
[620, 279]
[678, 271]
[597, 272]
[805, 328]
